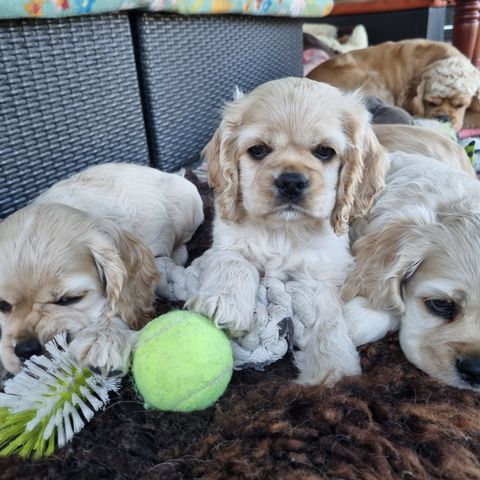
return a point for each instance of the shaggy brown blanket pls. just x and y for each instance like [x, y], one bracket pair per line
[393, 422]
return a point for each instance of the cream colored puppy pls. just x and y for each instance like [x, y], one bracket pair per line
[417, 269]
[291, 164]
[411, 139]
[81, 259]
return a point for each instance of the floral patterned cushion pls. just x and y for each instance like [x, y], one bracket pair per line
[63, 8]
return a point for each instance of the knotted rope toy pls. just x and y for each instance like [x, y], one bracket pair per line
[282, 312]
[49, 401]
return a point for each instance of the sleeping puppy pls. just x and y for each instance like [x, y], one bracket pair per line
[428, 79]
[418, 269]
[291, 164]
[81, 259]
[411, 139]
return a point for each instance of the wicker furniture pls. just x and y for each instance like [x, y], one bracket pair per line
[189, 66]
[145, 88]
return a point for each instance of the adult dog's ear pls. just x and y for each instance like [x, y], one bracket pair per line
[384, 260]
[128, 271]
[363, 169]
[475, 103]
[222, 163]
[411, 97]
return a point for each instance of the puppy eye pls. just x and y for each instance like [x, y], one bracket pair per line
[324, 153]
[446, 309]
[5, 307]
[458, 106]
[431, 104]
[65, 301]
[259, 152]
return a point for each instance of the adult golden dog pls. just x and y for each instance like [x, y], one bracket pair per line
[428, 79]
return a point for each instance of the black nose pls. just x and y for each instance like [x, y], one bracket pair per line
[24, 350]
[291, 185]
[442, 118]
[469, 369]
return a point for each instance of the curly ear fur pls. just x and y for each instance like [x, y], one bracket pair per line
[411, 97]
[383, 262]
[362, 175]
[223, 175]
[128, 271]
[475, 103]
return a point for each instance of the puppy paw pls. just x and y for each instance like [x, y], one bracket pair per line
[365, 324]
[224, 310]
[104, 349]
[325, 369]
[328, 378]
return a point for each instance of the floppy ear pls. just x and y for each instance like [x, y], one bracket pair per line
[362, 174]
[128, 271]
[411, 97]
[475, 103]
[223, 174]
[384, 260]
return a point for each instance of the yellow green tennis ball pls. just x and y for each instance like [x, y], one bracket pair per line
[182, 362]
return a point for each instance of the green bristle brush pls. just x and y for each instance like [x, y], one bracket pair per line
[49, 401]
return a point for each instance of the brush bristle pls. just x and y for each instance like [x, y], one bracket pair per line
[49, 401]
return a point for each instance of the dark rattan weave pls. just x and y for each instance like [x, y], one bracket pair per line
[189, 66]
[68, 98]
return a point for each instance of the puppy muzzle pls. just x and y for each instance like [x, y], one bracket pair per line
[469, 369]
[27, 348]
[291, 186]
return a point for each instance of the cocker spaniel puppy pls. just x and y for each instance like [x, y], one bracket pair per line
[412, 139]
[81, 259]
[428, 79]
[291, 164]
[418, 269]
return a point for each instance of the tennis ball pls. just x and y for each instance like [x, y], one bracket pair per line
[182, 362]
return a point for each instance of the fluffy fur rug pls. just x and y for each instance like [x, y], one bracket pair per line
[393, 422]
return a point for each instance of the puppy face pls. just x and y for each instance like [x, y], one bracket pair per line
[288, 171]
[61, 271]
[295, 150]
[428, 275]
[440, 330]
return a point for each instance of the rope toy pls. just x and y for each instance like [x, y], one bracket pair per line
[282, 312]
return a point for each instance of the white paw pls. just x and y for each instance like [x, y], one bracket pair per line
[327, 369]
[328, 378]
[104, 349]
[225, 311]
[180, 255]
[366, 324]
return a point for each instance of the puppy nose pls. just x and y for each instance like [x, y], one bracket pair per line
[469, 369]
[291, 185]
[442, 118]
[24, 350]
